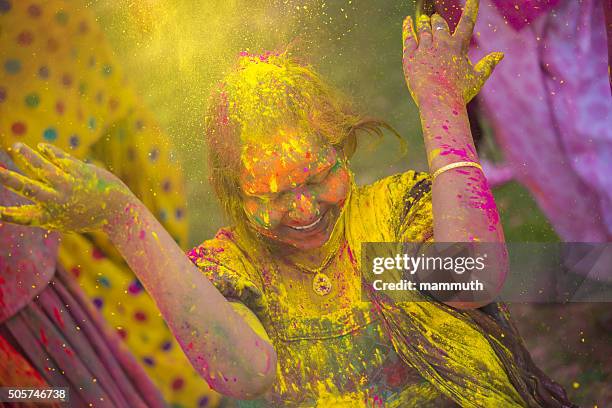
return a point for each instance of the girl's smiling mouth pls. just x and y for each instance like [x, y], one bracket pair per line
[315, 233]
[306, 227]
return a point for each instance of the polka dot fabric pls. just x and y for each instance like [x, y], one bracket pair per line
[57, 80]
[60, 83]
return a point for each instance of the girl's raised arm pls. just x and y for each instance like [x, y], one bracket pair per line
[442, 81]
[70, 195]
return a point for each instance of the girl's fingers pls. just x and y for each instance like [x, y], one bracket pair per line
[26, 187]
[409, 38]
[425, 36]
[24, 215]
[60, 158]
[465, 27]
[439, 27]
[34, 163]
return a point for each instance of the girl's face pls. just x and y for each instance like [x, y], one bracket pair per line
[293, 187]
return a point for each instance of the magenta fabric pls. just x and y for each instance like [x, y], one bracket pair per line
[27, 256]
[65, 339]
[550, 107]
[549, 103]
[45, 316]
[518, 13]
[522, 13]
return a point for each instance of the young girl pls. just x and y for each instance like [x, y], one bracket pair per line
[278, 317]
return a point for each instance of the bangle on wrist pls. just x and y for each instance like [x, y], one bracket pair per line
[454, 166]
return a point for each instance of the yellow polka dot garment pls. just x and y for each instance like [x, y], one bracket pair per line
[60, 83]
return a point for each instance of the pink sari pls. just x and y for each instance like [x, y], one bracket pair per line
[550, 106]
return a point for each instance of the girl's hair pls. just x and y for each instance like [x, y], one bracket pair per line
[265, 92]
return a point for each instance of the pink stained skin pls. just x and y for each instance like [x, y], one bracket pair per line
[442, 80]
[281, 201]
[221, 344]
[557, 70]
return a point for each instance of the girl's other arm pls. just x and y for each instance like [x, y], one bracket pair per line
[70, 195]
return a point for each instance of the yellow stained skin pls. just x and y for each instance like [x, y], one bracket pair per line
[437, 59]
[289, 184]
[60, 190]
[70, 195]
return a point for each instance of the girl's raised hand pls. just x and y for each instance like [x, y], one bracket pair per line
[436, 61]
[66, 194]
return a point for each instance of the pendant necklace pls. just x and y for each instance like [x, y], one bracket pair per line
[321, 282]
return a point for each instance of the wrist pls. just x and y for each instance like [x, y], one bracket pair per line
[436, 96]
[438, 87]
[446, 133]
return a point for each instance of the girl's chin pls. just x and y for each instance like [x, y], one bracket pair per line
[308, 243]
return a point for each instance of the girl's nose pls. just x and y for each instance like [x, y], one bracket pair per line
[304, 208]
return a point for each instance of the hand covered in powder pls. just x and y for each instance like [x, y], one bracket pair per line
[66, 194]
[436, 61]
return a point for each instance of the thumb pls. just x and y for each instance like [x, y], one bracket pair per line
[484, 68]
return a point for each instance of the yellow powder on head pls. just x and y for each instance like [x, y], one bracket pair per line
[272, 90]
[265, 94]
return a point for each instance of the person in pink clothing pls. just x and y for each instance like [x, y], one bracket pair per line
[550, 107]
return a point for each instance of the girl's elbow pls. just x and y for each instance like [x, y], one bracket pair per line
[252, 382]
[265, 373]
[263, 376]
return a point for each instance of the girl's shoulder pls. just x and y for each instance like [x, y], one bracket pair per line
[219, 251]
[394, 208]
[411, 183]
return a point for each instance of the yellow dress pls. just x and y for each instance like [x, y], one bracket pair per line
[335, 350]
[60, 83]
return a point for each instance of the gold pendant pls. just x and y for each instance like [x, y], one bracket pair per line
[321, 284]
